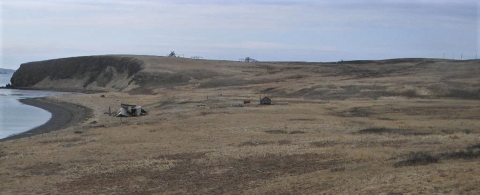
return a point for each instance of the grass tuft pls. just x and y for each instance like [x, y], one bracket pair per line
[469, 153]
[283, 132]
[382, 130]
[377, 130]
[386, 119]
[276, 132]
[337, 169]
[61, 140]
[418, 158]
[322, 144]
[254, 143]
[281, 142]
[475, 146]
[296, 132]
[464, 94]
[424, 158]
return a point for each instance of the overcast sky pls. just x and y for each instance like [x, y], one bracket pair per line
[267, 30]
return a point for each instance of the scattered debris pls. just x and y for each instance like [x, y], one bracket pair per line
[128, 110]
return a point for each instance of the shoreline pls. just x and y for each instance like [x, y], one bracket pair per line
[63, 116]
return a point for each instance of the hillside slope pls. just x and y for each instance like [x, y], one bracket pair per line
[116, 73]
[423, 78]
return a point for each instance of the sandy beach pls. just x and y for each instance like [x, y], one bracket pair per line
[63, 115]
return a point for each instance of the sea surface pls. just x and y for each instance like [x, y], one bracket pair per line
[16, 117]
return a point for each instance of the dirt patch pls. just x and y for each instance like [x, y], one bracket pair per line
[417, 158]
[255, 143]
[63, 140]
[464, 94]
[358, 144]
[463, 154]
[268, 89]
[141, 90]
[471, 152]
[284, 132]
[166, 103]
[424, 158]
[378, 130]
[386, 119]
[281, 142]
[357, 112]
[296, 132]
[302, 119]
[147, 80]
[476, 146]
[223, 83]
[393, 143]
[242, 173]
[182, 156]
[327, 92]
[452, 131]
[361, 69]
[199, 74]
[444, 112]
[276, 132]
[188, 177]
[323, 144]
[382, 130]
[43, 168]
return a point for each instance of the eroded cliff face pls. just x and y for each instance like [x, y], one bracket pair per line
[104, 73]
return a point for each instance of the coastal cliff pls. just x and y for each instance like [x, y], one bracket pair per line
[105, 73]
[139, 74]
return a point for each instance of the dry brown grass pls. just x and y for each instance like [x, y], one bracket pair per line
[189, 144]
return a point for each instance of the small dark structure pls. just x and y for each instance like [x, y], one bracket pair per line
[127, 110]
[246, 101]
[265, 101]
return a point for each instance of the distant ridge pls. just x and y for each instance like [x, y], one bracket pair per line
[143, 74]
[6, 71]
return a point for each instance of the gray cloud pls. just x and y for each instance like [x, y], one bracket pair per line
[343, 28]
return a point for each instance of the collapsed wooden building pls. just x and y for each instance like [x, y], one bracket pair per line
[127, 110]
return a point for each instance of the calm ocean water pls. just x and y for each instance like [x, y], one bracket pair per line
[16, 117]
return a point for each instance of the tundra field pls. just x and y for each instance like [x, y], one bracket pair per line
[401, 126]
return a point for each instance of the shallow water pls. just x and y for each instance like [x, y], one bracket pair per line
[16, 117]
